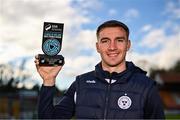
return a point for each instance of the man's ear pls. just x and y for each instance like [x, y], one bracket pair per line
[97, 47]
[128, 45]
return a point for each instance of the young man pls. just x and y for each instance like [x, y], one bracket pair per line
[116, 89]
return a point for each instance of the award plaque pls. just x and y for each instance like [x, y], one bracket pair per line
[51, 45]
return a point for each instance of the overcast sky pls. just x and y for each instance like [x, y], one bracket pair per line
[154, 31]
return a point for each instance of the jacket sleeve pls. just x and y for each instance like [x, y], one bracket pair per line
[153, 107]
[64, 109]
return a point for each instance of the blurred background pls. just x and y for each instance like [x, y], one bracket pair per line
[154, 32]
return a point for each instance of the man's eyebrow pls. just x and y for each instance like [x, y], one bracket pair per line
[104, 38]
[120, 38]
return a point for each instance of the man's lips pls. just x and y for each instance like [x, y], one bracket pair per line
[112, 54]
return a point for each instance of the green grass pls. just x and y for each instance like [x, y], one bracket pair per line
[170, 116]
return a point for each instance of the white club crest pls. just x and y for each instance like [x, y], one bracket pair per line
[124, 102]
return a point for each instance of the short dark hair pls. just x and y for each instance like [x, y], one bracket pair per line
[112, 23]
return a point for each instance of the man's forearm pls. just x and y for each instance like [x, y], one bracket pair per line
[45, 103]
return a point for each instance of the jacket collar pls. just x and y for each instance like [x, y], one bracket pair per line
[118, 77]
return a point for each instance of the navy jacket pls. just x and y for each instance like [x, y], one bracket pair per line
[102, 95]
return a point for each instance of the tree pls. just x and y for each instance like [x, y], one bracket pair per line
[175, 68]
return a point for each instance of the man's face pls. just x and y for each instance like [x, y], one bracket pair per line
[112, 45]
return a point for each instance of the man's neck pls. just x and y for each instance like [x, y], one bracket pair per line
[118, 68]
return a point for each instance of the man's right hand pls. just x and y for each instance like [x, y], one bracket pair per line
[47, 73]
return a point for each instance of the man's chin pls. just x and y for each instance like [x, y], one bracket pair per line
[113, 64]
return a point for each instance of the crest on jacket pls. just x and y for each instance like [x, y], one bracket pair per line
[124, 102]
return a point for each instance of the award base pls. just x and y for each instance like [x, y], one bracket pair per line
[45, 60]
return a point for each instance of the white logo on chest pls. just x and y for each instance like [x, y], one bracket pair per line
[124, 102]
[90, 81]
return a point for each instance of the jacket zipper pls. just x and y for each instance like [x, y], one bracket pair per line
[107, 98]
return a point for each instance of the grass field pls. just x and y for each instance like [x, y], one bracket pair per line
[169, 116]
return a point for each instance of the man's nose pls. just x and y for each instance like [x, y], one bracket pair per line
[112, 45]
